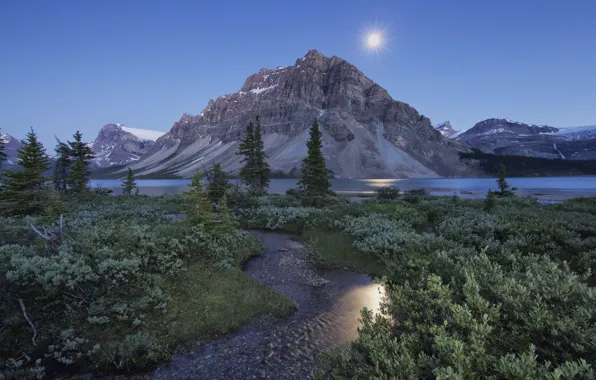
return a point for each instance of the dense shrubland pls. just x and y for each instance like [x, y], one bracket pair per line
[496, 288]
[475, 288]
[109, 295]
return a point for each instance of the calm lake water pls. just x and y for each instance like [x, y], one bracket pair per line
[544, 187]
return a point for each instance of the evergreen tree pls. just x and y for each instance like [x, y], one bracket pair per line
[200, 208]
[256, 171]
[226, 224]
[315, 176]
[62, 166]
[262, 168]
[502, 181]
[246, 149]
[218, 183]
[23, 187]
[81, 156]
[129, 184]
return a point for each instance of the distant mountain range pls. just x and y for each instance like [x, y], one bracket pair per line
[508, 137]
[366, 133]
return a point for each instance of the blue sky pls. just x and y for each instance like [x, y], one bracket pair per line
[68, 65]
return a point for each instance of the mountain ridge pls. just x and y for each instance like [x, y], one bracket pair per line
[508, 137]
[365, 132]
[119, 145]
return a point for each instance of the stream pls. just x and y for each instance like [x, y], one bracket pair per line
[328, 302]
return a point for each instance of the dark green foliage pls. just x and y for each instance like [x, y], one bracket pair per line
[490, 202]
[262, 168]
[521, 166]
[225, 223]
[256, 171]
[129, 184]
[502, 180]
[22, 189]
[481, 296]
[126, 286]
[200, 209]
[62, 166]
[78, 176]
[387, 193]
[80, 158]
[218, 183]
[294, 173]
[314, 174]
[238, 198]
[415, 195]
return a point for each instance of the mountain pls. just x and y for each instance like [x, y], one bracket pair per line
[445, 129]
[508, 137]
[118, 145]
[365, 132]
[12, 145]
[579, 133]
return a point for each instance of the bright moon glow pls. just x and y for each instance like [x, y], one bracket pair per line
[374, 40]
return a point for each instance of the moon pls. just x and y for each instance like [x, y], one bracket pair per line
[373, 40]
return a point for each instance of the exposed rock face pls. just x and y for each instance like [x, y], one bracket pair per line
[116, 145]
[504, 136]
[366, 133]
[446, 129]
[11, 147]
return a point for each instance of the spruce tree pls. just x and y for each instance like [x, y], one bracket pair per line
[200, 208]
[23, 187]
[315, 176]
[129, 184]
[262, 168]
[246, 150]
[81, 156]
[502, 181]
[218, 183]
[226, 224]
[256, 171]
[62, 166]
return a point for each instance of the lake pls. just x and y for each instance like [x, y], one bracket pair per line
[557, 188]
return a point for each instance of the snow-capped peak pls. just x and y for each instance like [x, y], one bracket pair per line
[144, 134]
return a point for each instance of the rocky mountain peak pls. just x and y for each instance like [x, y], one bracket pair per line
[11, 148]
[445, 129]
[116, 144]
[367, 133]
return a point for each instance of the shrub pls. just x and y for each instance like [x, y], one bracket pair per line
[279, 218]
[387, 193]
[490, 321]
[108, 273]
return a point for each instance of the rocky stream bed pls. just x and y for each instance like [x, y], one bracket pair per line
[328, 302]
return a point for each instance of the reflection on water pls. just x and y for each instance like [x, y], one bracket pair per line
[551, 187]
[347, 310]
[340, 324]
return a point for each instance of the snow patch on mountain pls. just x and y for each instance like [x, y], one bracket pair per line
[579, 133]
[143, 134]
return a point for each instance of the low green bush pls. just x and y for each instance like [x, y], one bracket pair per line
[387, 193]
[98, 298]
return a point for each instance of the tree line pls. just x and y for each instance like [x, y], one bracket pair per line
[21, 190]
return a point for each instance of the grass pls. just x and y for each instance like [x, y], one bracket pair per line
[208, 303]
[337, 249]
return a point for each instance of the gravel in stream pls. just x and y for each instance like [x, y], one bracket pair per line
[274, 348]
